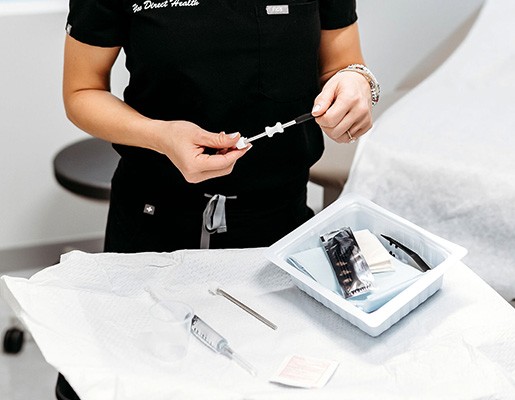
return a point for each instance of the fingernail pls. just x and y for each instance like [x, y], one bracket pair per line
[233, 135]
[316, 108]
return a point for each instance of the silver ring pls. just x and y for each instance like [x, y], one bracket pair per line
[351, 139]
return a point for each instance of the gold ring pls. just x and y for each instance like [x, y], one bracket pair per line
[351, 139]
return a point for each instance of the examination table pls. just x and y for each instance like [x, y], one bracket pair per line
[83, 314]
[442, 156]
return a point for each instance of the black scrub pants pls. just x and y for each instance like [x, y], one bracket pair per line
[174, 219]
[153, 209]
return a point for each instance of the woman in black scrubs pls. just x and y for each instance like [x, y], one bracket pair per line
[199, 68]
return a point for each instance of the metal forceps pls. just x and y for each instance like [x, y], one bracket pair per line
[420, 263]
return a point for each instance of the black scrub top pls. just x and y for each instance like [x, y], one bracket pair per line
[226, 65]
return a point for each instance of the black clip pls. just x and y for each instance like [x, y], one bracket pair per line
[421, 264]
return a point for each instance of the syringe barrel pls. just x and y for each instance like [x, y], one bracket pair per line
[207, 335]
[217, 343]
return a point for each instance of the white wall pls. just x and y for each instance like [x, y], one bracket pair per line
[404, 40]
[34, 209]
[397, 36]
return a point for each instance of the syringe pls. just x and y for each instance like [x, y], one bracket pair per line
[271, 130]
[217, 343]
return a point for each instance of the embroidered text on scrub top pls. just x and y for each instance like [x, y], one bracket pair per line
[151, 5]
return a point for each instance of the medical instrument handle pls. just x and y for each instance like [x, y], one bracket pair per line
[421, 264]
[246, 308]
[270, 130]
[304, 118]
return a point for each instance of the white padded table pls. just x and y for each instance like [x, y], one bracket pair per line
[459, 344]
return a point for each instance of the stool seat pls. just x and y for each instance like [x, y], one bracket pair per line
[86, 168]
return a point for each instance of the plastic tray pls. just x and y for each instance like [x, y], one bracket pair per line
[359, 213]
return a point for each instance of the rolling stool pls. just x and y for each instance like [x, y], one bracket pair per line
[84, 168]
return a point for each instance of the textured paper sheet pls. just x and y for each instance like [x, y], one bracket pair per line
[458, 344]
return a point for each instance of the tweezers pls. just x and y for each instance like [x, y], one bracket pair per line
[421, 264]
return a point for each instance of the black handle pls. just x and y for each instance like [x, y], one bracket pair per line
[304, 118]
[415, 257]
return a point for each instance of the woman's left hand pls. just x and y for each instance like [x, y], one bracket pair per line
[343, 109]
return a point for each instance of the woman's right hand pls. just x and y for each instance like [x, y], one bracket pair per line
[90, 106]
[185, 143]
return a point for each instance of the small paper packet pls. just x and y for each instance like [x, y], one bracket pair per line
[375, 254]
[304, 372]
